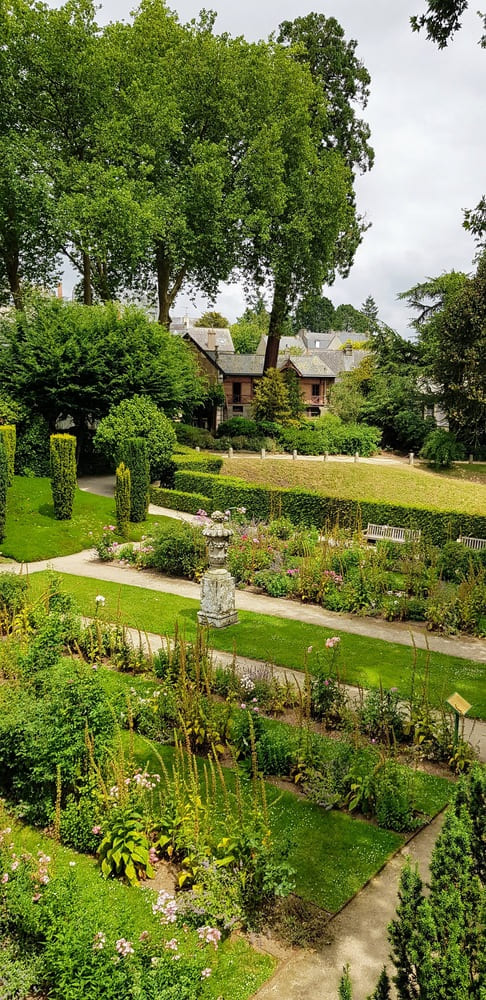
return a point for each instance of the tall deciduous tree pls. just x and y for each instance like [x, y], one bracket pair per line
[27, 229]
[62, 360]
[315, 229]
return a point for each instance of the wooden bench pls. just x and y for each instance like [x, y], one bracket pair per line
[378, 532]
[472, 543]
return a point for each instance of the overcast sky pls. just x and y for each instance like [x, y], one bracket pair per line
[427, 116]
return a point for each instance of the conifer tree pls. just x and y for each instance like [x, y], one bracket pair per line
[383, 987]
[345, 989]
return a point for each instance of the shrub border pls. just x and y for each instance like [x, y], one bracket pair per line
[311, 508]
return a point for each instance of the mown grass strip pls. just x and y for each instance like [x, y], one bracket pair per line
[285, 642]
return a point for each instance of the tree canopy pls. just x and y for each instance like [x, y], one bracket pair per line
[62, 359]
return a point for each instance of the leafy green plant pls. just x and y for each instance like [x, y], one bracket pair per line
[178, 550]
[124, 850]
[63, 474]
[441, 448]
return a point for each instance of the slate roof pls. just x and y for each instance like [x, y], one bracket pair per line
[200, 336]
[311, 338]
[237, 364]
[308, 365]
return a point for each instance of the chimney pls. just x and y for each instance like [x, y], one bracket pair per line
[211, 340]
[348, 350]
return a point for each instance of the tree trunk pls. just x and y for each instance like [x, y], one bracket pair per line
[277, 316]
[165, 294]
[87, 292]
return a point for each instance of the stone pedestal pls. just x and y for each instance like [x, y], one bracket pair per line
[217, 599]
[217, 585]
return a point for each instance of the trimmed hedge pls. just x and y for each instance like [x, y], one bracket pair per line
[311, 508]
[9, 435]
[3, 487]
[177, 500]
[63, 475]
[133, 452]
[203, 463]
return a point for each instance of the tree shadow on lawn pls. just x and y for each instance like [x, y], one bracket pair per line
[46, 510]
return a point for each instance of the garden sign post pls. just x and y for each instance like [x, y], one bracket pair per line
[217, 584]
[459, 706]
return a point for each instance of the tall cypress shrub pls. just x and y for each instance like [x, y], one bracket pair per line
[122, 498]
[3, 487]
[9, 435]
[133, 452]
[63, 475]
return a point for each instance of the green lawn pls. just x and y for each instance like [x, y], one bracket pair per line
[332, 853]
[33, 533]
[414, 487]
[238, 970]
[284, 642]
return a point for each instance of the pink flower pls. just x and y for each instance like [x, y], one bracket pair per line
[334, 641]
[96, 830]
[210, 935]
[205, 973]
[144, 936]
[153, 856]
[4, 878]
[172, 945]
[99, 941]
[36, 897]
[124, 947]
[243, 704]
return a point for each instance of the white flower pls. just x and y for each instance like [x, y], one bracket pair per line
[100, 599]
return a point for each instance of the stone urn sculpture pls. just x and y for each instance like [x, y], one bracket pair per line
[217, 584]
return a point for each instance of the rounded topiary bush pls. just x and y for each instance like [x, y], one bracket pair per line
[138, 417]
[63, 475]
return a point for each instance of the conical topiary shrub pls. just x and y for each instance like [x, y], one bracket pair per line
[63, 475]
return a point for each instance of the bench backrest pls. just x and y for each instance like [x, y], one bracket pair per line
[472, 543]
[391, 533]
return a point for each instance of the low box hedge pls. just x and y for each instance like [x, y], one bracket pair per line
[311, 508]
[178, 500]
[198, 463]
